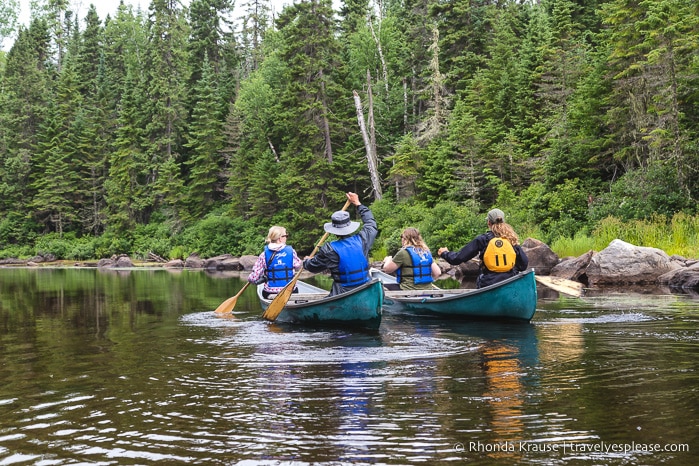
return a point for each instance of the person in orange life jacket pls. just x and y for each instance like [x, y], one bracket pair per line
[498, 261]
[347, 258]
[413, 263]
[276, 264]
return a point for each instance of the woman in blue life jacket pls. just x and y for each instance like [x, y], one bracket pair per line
[277, 264]
[347, 258]
[499, 251]
[413, 263]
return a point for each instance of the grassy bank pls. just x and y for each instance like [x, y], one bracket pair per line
[679, 235]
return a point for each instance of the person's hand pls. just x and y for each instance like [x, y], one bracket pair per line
[353, 198]
[440, 251]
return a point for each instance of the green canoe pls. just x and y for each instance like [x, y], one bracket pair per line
[512, 299]
[361, 307]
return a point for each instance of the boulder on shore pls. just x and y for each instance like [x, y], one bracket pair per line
[683, 277]
[623, 263]
[174, 264]
[121, 261]
[541, 257]
[247, 262]
[223, 262]
[193, 261]
[574, 268]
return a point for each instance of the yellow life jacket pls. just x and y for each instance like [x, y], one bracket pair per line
[499, 256]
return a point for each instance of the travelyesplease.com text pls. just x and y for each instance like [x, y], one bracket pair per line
[570, 447]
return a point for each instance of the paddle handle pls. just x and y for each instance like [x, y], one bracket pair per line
[325, 236]
[242, 289]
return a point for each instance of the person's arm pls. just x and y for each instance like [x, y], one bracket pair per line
[258, 269]
[325, 259]
[297, 264]
[388, 265]
[465, 254]
[369, 229]
[436, 271]
[401, 259]
[522, 261]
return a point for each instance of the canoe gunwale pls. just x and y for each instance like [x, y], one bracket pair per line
[361, 307]
[449, 294]
[511, 299]
[301, 300]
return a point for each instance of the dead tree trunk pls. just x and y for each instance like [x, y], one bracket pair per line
[371, 156]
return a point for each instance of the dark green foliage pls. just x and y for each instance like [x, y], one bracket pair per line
[220, 234]
[640, 193]
[175, 131]
[447, 224]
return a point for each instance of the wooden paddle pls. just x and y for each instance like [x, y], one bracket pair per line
[561, 285]
[279, 301]
[227, 306]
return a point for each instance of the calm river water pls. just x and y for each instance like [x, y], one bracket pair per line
[133, 367]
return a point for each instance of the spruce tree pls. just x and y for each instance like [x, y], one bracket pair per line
[168, 75]
[204, 141]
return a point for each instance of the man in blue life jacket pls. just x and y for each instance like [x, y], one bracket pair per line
[347, 258]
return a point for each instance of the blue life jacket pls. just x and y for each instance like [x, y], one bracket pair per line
[354, 267]
[280, 269]
[422, 266]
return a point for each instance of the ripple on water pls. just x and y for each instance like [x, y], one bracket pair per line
[275, 344]
[601, 319]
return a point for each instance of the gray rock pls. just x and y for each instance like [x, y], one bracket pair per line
[624, 263]
[541, 257]
[174, 264]
[194, 262]
[573, 268]
[685, 277]
[223, 262]
[247, 261]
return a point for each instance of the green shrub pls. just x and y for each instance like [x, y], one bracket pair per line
[446, 224]
[641, 193]
[110, 244]
[155, 238]
[220, 234]
[17, 252]
[178, 252]
[82, 249]
[54, 244]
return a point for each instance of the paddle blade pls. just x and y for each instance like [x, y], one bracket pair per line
[227, 306]
[279, 301]
[562, 285]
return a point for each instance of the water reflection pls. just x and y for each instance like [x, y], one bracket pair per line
[134, 368]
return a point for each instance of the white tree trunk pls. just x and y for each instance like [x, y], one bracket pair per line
[371, 157]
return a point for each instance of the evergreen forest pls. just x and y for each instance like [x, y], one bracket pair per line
[193, 128]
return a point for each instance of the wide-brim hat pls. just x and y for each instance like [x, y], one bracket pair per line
[341, 224]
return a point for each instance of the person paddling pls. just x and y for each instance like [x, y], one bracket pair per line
[499, 251]
[276, 264]
[347, 258]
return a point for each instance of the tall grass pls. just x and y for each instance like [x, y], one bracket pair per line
[679, 235]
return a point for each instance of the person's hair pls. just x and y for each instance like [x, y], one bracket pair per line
[504, 230]
[274, 234]
[412, 238]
